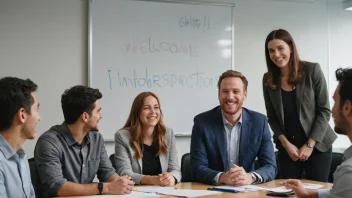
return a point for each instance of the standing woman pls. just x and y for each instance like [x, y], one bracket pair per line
[144, 148]
[298, 110]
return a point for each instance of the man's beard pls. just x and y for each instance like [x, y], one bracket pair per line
[93, 128]
[238, 108]
[339, 131]
[343, 124]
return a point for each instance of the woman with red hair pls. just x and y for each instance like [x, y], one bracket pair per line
[144, 148]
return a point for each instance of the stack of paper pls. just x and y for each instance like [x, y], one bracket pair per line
[175, 192]
[281, 189]
[312, 186]
[195, 193]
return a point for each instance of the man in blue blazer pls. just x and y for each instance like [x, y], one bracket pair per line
[227, 139]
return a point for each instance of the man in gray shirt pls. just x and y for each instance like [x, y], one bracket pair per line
[68, 156]
[18, 119]
[342, 114]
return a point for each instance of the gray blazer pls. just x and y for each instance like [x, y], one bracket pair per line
[126, 164]
[312, 102]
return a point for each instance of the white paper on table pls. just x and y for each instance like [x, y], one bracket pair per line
[152, 188]
[188, 193]
[175, 192]
[251, 188]
[281, 189]
[133, 194]
[246, 188]
[312, 186]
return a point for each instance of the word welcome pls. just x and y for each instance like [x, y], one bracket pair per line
[149, 45]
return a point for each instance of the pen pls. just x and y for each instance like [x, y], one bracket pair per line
[223, 190]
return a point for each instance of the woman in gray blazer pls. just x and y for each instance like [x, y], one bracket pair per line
[298, 110]
[144, 148]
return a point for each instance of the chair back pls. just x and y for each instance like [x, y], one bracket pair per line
[112, 160]
[257, 165]
[35, 178]
[278, 176]
[186, 168]
[336, 160]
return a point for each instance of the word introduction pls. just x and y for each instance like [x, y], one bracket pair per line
[147, 79]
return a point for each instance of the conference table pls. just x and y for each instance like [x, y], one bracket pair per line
[199, 186]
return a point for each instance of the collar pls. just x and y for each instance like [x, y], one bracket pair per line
[227, 123]
[7, 150]
[348, 153]
[63, 128]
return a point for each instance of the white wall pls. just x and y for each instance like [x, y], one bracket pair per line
[306, 22]
[46, 40]
[340, 52]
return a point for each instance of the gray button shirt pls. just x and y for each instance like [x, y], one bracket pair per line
[60, 158]
[15, 179]
[342, 179]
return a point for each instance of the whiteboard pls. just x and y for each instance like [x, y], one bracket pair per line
[176, 50]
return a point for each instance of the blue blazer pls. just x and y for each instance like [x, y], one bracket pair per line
[209, 147]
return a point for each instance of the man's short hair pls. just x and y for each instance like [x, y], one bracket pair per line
[344, 76]
[233, 74]
[77, 100]
[15, 93]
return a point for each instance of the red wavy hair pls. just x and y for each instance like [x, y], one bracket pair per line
[135, 125]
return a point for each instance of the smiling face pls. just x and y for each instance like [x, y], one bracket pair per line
[93, 119]
[279, 52]
[231, 95]
[150, 113]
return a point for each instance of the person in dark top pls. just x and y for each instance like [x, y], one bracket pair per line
[68, 156]
[342, 116]
[151, 160]
[298, 110]
[144, 148]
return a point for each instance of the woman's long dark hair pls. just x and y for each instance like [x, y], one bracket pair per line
[294, 65]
